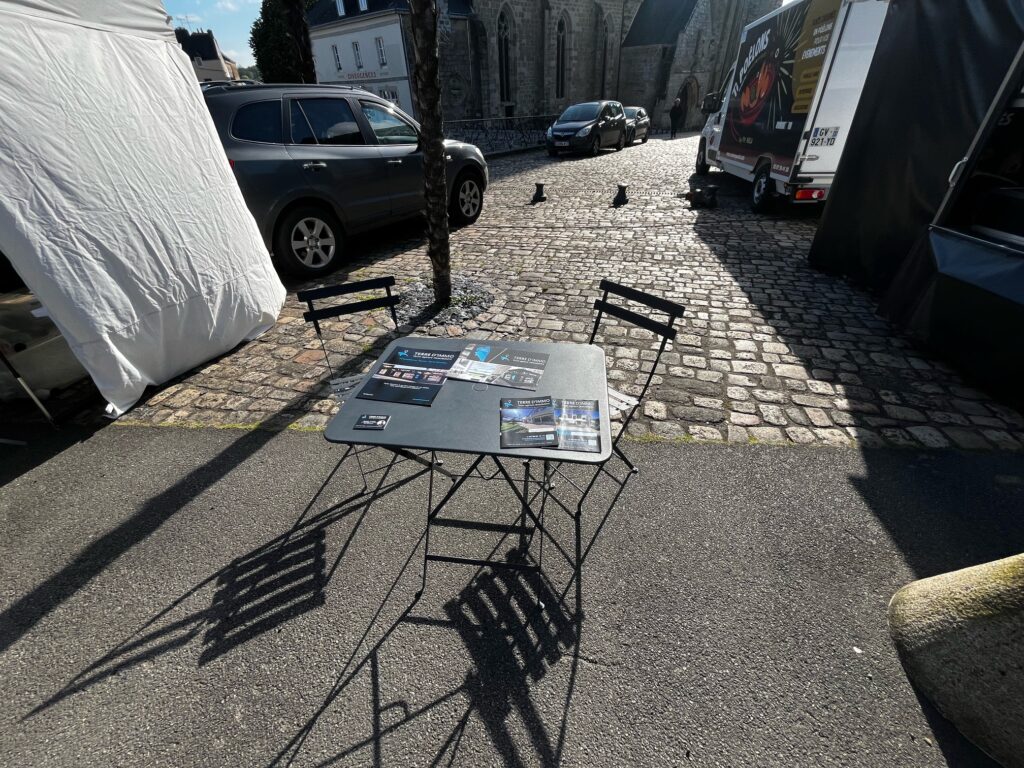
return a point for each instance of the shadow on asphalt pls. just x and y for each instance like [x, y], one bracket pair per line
[932, 513]
[515, 626]
[255, 593]
[32, 607]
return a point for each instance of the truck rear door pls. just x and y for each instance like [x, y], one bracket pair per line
[846, 68]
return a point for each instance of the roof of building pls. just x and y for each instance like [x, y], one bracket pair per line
[659, 22]
[198, 44]
[326, 11]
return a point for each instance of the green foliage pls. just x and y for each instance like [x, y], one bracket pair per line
[277, 47]
[250, 73]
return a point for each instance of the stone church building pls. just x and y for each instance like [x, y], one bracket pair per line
[535, 57]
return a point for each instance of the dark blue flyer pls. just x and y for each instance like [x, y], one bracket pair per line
[412, 376]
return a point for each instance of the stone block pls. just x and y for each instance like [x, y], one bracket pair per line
[959, 636]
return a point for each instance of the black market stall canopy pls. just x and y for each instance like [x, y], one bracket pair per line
[928, 203]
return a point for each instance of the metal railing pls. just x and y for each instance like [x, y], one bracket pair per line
[500, 134]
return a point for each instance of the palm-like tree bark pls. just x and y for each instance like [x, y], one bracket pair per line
[427, 83]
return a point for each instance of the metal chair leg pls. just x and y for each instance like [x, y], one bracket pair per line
[426, 542]
[621, 455]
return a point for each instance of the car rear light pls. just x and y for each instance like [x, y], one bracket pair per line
[231, 162]
[810, 194]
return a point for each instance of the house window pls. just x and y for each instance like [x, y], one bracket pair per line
[560, 59]
[357, 55]
[391, 95]
[362, 5]
[505, 61]
[337, 57]
[341, 7]
[382, 57]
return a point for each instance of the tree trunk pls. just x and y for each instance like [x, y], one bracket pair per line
[298, 29]
[427, 84]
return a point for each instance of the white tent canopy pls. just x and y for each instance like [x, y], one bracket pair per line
[117, 205]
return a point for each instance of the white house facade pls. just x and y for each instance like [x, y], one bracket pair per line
[369, 51]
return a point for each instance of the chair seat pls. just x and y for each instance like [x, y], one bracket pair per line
[343, 386]
[619, 402]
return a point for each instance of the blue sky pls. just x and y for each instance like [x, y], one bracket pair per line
[230, 21]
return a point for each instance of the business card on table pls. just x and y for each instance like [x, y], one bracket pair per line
[370, 421]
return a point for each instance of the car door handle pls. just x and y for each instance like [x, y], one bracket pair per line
[314, 166]
[394, 162]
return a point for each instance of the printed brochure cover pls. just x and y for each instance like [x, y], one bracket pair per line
[578, 425]
[500, 365]
[413, 376]
[527, 422]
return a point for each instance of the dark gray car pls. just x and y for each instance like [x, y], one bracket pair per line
[587, 128]
[316, 163]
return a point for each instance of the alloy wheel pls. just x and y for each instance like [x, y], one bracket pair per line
[313, 242]
[469, 198]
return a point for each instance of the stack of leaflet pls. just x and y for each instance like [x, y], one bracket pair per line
[540, 422]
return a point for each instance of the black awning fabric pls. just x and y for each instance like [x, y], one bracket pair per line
[969, 307]
[936, 71]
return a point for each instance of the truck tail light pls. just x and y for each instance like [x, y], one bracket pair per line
[810, 194]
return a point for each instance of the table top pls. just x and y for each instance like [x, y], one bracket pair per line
[464, 417]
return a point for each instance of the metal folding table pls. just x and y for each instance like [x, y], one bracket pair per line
[464, 418]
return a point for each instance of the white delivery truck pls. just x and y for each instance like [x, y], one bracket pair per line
[784, 114]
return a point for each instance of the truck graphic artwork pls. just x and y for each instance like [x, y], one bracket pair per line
[780, 62]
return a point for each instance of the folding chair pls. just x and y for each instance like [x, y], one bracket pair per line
[665, 331]
[314, 315]
[341, 387]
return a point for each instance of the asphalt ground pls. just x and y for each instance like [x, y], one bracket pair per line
[216, 597]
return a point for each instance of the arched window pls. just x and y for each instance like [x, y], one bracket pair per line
[505, 60]
[560, 58]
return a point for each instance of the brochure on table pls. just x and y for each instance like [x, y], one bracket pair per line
[499, 365]
[413, 376]
[527, 422]
[532, 422]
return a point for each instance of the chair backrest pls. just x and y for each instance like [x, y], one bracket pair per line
[666, 331]
[314, 315]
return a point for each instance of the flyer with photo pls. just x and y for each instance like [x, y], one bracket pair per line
[578, 425]
[500, 365]
[527, 422]
[412, 376]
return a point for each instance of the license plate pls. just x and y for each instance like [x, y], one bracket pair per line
[561, 143]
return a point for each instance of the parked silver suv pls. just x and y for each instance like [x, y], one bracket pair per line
[316, 163]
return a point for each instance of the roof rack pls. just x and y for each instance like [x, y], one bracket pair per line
[226, 85]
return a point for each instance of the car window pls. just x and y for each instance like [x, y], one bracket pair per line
[388, 127]
[331, 121]
[641, 114]
[301, 132]
[258, 122]
[633, 112]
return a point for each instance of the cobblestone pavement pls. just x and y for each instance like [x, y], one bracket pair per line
[769, 350]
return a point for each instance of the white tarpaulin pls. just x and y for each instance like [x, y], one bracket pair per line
[117, 205]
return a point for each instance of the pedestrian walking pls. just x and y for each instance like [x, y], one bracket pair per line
[675, 116]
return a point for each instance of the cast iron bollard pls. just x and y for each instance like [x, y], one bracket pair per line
[620, 198]
[539, 196]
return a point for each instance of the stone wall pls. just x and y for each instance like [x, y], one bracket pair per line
[643, 75]
[705, 51]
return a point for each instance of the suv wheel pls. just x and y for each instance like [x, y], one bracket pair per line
[467, 199]
[309, 241]
[621, 143]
